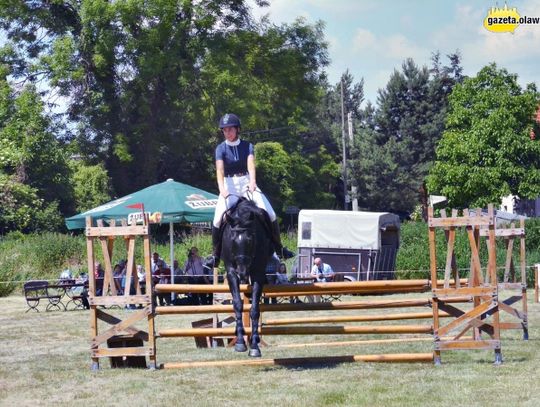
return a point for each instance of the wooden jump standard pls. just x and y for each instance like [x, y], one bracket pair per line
[484, 315]
[509, 282]
[105, 294]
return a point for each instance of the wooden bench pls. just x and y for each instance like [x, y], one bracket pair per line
[37, 290]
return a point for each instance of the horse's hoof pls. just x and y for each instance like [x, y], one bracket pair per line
[240, 347]
[255, 353]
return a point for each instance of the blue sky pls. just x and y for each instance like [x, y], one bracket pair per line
[372, 38]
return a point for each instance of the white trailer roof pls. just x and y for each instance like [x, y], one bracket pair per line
[343, 229]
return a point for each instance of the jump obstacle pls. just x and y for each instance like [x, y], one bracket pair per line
[469, 302]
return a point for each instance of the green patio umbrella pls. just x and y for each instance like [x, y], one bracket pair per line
[174, 201]
[168, 202]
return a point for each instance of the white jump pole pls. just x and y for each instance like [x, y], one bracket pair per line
[171, 253]
[536, 281]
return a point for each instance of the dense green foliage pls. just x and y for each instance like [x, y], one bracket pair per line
[44, 256]
[91, 185]
[148, 80]
[486, 151]
[35, 185]
[395, 145]
[38, 256]
[413, 255]
[143, 85]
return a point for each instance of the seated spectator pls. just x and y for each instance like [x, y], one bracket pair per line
[197, 274]
[178, 273]
[66, 275]
[322, 271]
[271, 275]
[162, 275]
[155, 260]
[118, 274]
[282, 277]
[82, 290]
[141, 275]
[99, 274]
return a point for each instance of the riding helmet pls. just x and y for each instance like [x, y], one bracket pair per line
[229, 120]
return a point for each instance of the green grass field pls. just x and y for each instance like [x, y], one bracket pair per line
[45, 360]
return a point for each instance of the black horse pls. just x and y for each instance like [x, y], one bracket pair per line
[246, 248]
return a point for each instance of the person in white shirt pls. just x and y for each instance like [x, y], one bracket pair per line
[155, 261]
[197, 274]
[322, 271]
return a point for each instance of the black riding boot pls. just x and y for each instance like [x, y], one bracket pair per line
[216, 247]
[281, 251]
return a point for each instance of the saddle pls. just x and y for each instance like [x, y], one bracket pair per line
[245, 206]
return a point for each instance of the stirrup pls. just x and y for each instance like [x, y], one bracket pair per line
[211, 261]
[286, 253]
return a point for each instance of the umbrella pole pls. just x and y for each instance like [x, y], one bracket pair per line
[171, 243]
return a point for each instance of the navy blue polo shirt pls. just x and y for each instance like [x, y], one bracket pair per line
[234, 157]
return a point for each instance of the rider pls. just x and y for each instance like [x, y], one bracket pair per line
[235, 172]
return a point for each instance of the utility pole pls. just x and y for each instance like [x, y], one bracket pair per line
[345, 190]
[354, 199]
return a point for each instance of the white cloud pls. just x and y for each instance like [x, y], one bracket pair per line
[363, 39]
[399, 47]
[284, 11]
[396, 46]
[518, 52]
[373, 52]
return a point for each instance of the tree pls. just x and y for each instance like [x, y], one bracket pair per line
[326, 131]
[33, 170]
[314, 179]
[395, 145]
[21, 209]
[486, 151]
[274, 173]
[303, 181]
[91, 185]
[147, 81]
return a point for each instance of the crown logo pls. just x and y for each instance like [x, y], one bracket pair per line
[500, 20]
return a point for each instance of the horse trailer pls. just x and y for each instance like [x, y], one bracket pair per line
[359, 246]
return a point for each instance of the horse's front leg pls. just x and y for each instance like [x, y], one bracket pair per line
[234, 287]
[255, 314]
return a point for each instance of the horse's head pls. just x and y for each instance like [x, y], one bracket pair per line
[246, 241]
[242, 248]
[243, 237]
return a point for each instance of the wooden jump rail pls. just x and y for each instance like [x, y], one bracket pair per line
[297, 326]
[484, 315]
[536, 282]
[321, 306]
[317, 360]
[320, 288]
[478, 291]
[353, 318]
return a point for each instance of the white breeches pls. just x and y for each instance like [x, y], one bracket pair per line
[237, 187]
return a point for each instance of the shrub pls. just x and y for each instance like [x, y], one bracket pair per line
[413, 255]
[37, 256]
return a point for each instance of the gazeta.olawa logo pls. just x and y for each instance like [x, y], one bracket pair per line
[506, 19]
